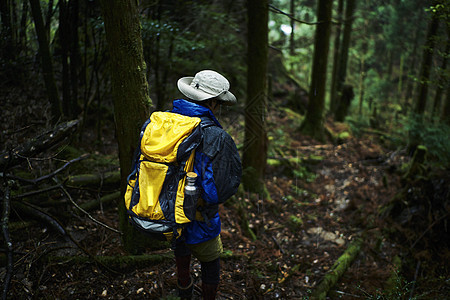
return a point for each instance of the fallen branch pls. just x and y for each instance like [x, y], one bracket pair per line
[94, 179]
[337, 270]
[82, 210]
[115, 262]
[93, 204]
[43, 217]
[60, 169]
[37, 145]
[33, 193]
[35, 212]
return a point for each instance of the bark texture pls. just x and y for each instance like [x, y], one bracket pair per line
[313, 123]
[129, 89]
[255, 144]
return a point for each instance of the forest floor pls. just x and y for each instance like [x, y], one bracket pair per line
[318, 205]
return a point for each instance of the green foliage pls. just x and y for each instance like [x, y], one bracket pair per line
[295, 223]
[433, 135]
[303, 172]
[358, 123]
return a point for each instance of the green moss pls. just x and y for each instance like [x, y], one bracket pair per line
[295, 223]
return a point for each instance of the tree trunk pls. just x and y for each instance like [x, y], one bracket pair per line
[64, 44]
[337, 45]
[129, 90]
[445, 116]
[313, 122]
[412, 66]
[6, 33]
[47, 66]
[343, 55]
[362, 76]
[291, 37]
[344, 103]
[75, 59]
[255, 143]
[425, 69]
[22, 40]
[442, 81]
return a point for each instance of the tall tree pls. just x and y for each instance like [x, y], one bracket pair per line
[255, 143]
[443, 80]
[343, 59]
[425, 68]
[291, 36]
[129, 89]
[337, 45]
[313, 122]
[47, 64]
[445, 116]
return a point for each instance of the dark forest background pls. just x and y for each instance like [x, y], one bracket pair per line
[342, 122]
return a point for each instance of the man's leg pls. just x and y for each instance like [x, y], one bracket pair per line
[210, 278]
[208, 253]
[183, 262]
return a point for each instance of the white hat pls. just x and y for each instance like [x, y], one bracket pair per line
[205, 85]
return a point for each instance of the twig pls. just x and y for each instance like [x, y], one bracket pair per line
[38, 144]
[278, 244]
[36, 212]
[82, 210]
[429, 227]
[9, 248]
[279, 11]
[60, 169]
[414, 281]
[37, 180]
[32, 193]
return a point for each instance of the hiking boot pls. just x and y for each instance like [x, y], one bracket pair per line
[186, 292]
[209, 291]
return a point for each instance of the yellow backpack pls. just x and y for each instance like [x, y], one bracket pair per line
[155, 199]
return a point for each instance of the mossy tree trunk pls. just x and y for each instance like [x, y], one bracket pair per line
[313, 122]
[129, 90]
[255, 143]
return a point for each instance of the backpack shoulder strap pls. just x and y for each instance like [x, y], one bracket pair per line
[206, 122]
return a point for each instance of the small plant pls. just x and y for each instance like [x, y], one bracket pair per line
[303, 173]
[399, 288]
[295, 223]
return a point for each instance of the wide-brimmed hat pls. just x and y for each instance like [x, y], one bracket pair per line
[205, 85]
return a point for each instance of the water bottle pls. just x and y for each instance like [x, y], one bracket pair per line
[190, 196]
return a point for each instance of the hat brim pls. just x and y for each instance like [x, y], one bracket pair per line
[184, 85]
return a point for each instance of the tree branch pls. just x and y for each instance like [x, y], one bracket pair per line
[279, 11]
[82, 210]
[38, 144]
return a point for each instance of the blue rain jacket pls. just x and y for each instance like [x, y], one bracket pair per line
[218, 166]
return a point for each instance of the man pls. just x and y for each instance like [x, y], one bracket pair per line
[218, 166]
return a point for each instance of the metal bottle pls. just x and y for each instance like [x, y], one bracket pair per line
[190, 188]
[191, 194]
